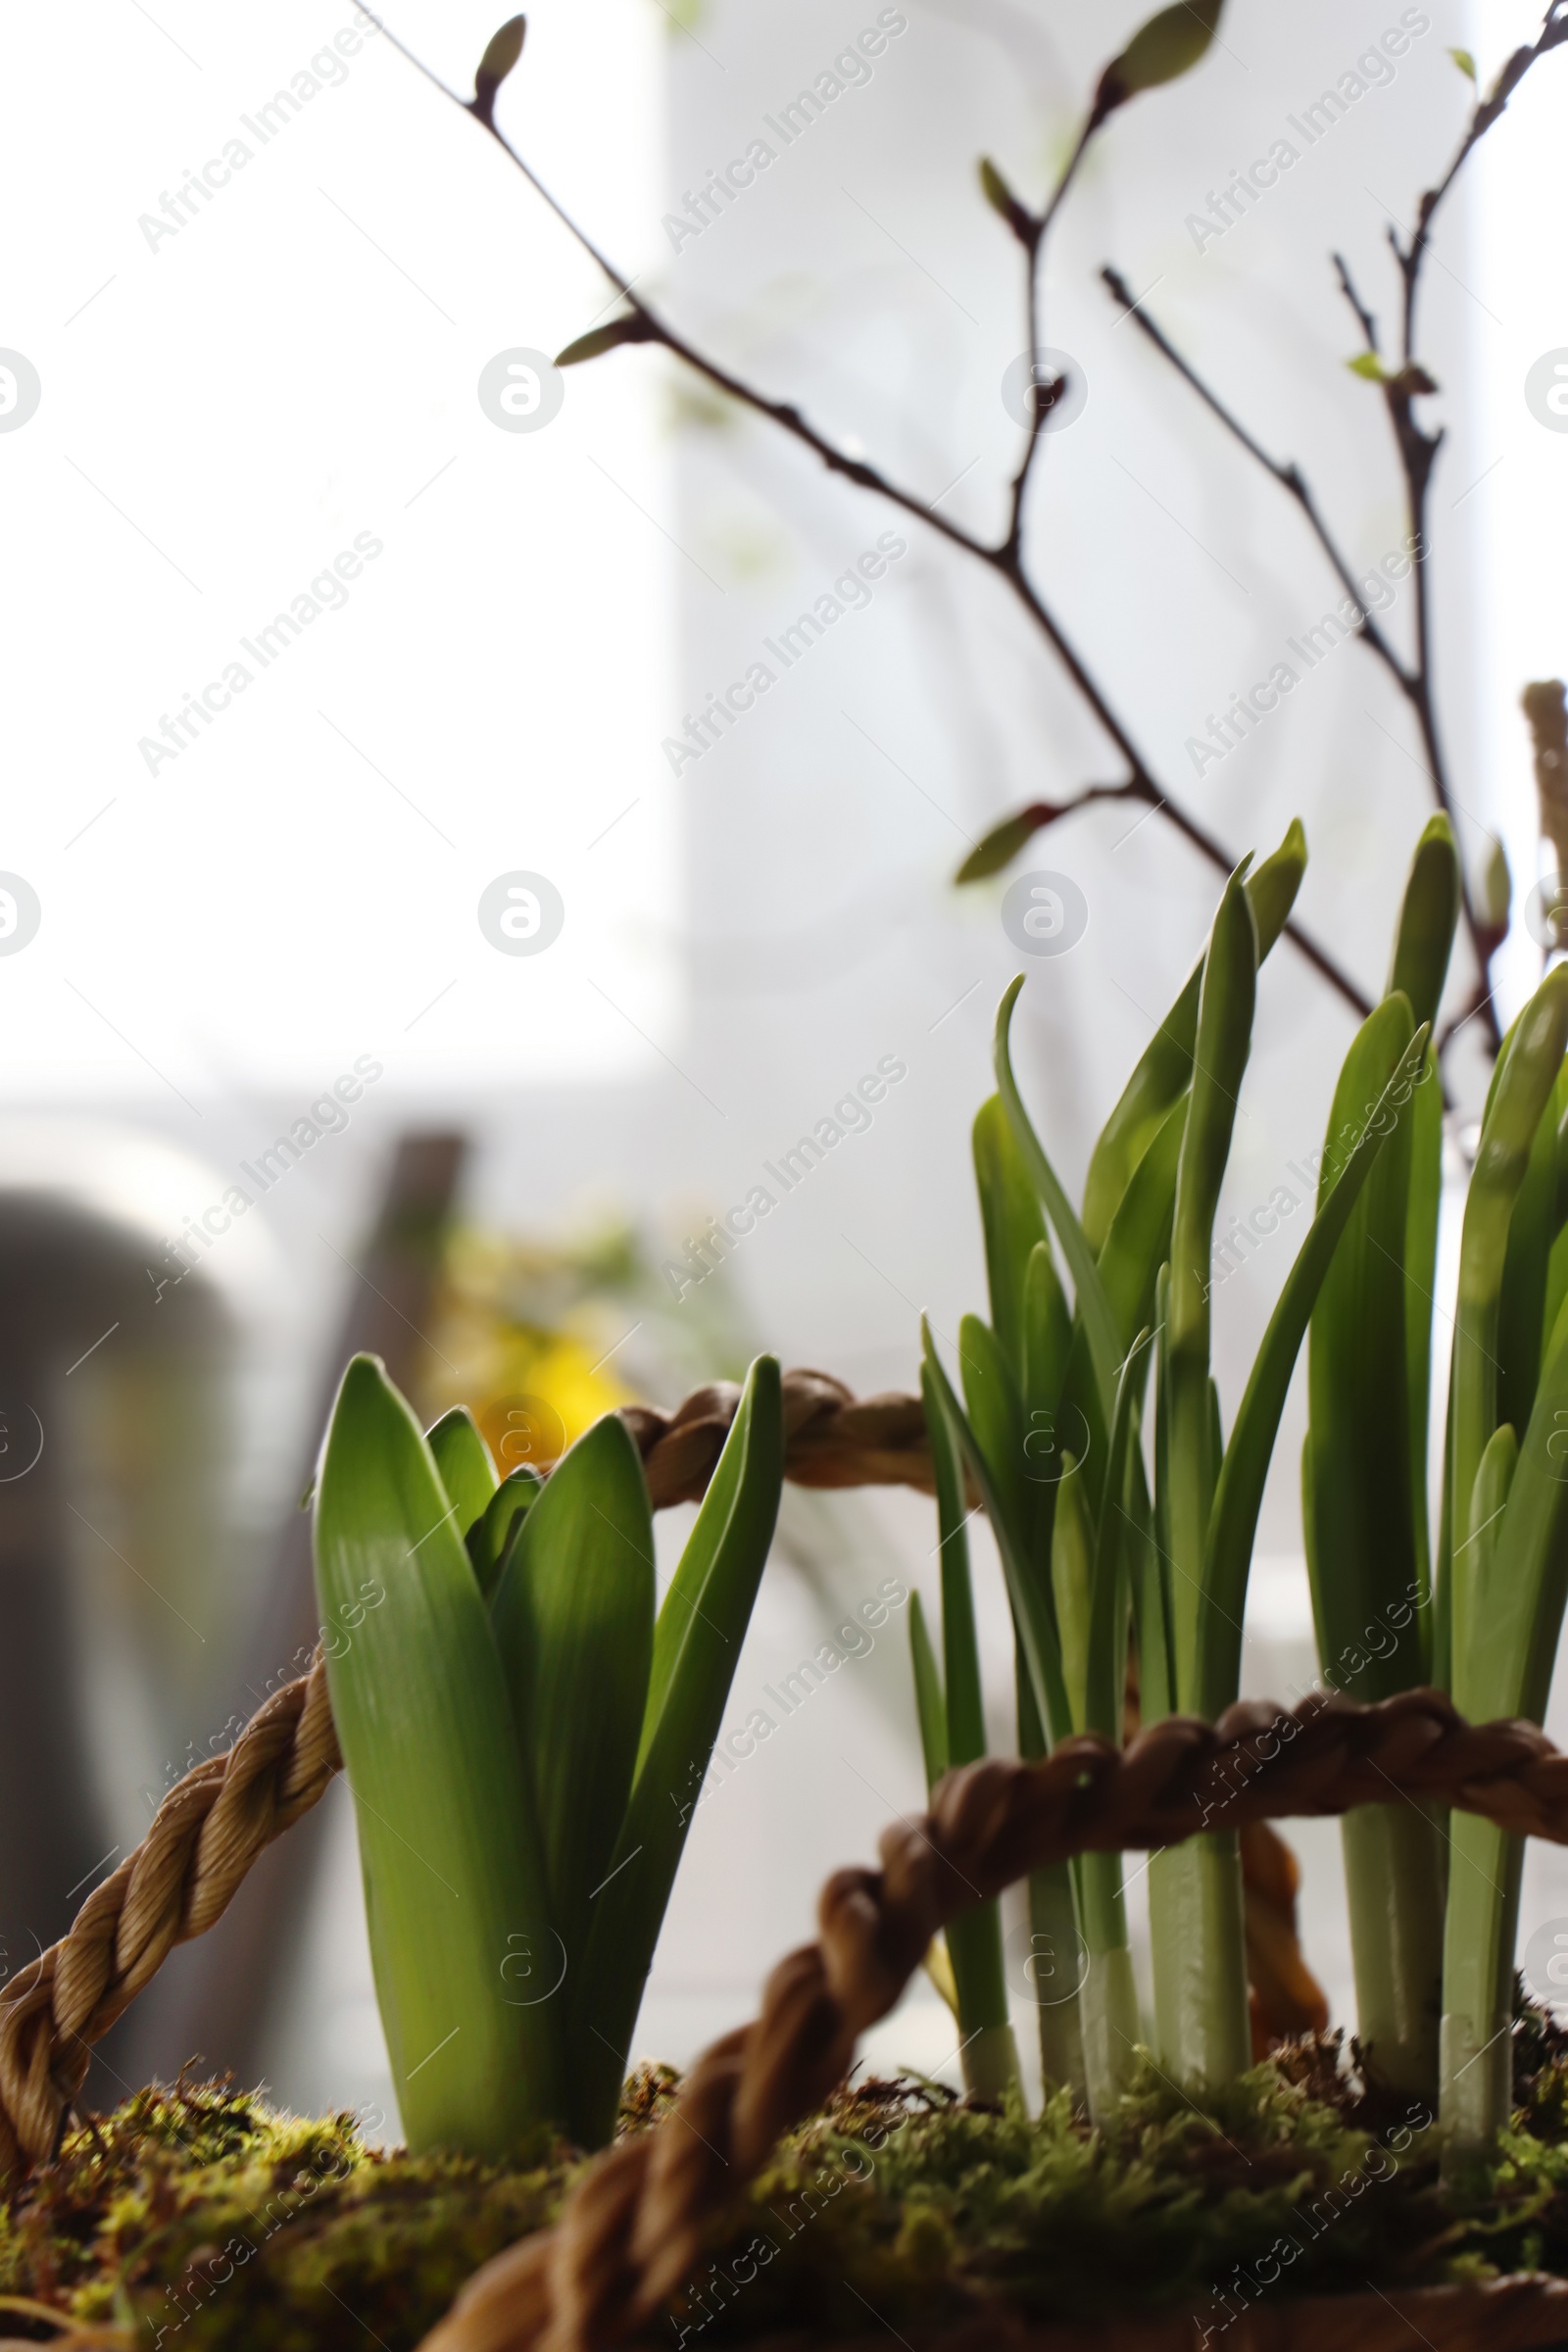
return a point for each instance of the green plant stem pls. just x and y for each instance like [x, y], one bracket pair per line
[1194, 1911]
[1477, 2047]
[1055, 1964]
[1393, 1878]
[955, 1735]
[1056, 1949]
[990, 2054]
[1108, 2000]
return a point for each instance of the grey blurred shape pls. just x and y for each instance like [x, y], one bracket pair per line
[211, 2001]
[110, 1389]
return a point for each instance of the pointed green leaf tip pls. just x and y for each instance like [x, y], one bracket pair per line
[1167, 46]
[1497, 887]
[632, 328]
[1466, 65]
[1002, 844]
[463, 1459]
[1367, 364]
[452, 1869]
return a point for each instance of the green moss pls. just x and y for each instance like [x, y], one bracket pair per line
[909, 2204]
[197, 2215]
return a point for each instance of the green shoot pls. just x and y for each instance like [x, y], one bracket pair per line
[1365, 1475]
[525, 1745]
[1506, 1505]
[454, 1873]
[952, 1732]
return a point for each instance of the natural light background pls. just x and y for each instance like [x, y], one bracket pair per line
[289, 377]
[300, 364]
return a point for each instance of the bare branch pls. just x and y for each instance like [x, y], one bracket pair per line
[1004, 557]
[1364, 318]
[1286, 472]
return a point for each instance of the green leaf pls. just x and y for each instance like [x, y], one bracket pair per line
[1034, 1613]
[1418, 970]
[503, 50]
[929, 1705]
[1525, 1270]
[1272, 887]
[1497, 887]
[1522, 1085]
[999, 847]
[1009, 1214]
[965, 1707]
[1420, 1286]
[1239, 1495]
[1224, 1042]
[1051, 1370]
[1163, 49]
[1428, 915]
[1357, 1366]
[1047, 1338]
[1151, 1600]
[996, 1415]
[1107, 1664]
[1072, 1586]
[1466, 65]
[953, 1732]
[489, 1538]
[1002, 201]
[1138, 1240]
[685, 1631]
[573, 1616]
[1505, 1666]
[1224, 1039]
[707, 1609]
[1557, 1263]
[1165, 1065]
[1368, 364]
[454, 1875]
[1473, 1559]
[463, 1465]
[1090, 1299]
[631, 328]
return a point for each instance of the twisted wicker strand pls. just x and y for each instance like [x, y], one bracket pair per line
[831, 1437]
[637, 2225]
[214, 1823]
[204, 1838]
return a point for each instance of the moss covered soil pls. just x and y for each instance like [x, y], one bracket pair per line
[196, 2215]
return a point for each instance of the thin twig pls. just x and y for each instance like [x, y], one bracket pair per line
[1032, 229]
[1285, 471]
[1003, 556]
[1417, 450]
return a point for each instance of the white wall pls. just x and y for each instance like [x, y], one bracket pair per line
[773, 921]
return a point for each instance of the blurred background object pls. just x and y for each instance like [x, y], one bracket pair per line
[296, 366]
[120, 1394]
[214, 1995]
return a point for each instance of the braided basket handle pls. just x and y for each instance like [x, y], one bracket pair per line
[212, 1824]
[636, 2226]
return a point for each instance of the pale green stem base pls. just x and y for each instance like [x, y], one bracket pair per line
[1394, 1878]
[1110, 2027]
[990, 2055]
[1476, 2096]
[1200, 1953]
[990, 2063]
[1108, 2000]
[1054, 1970]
